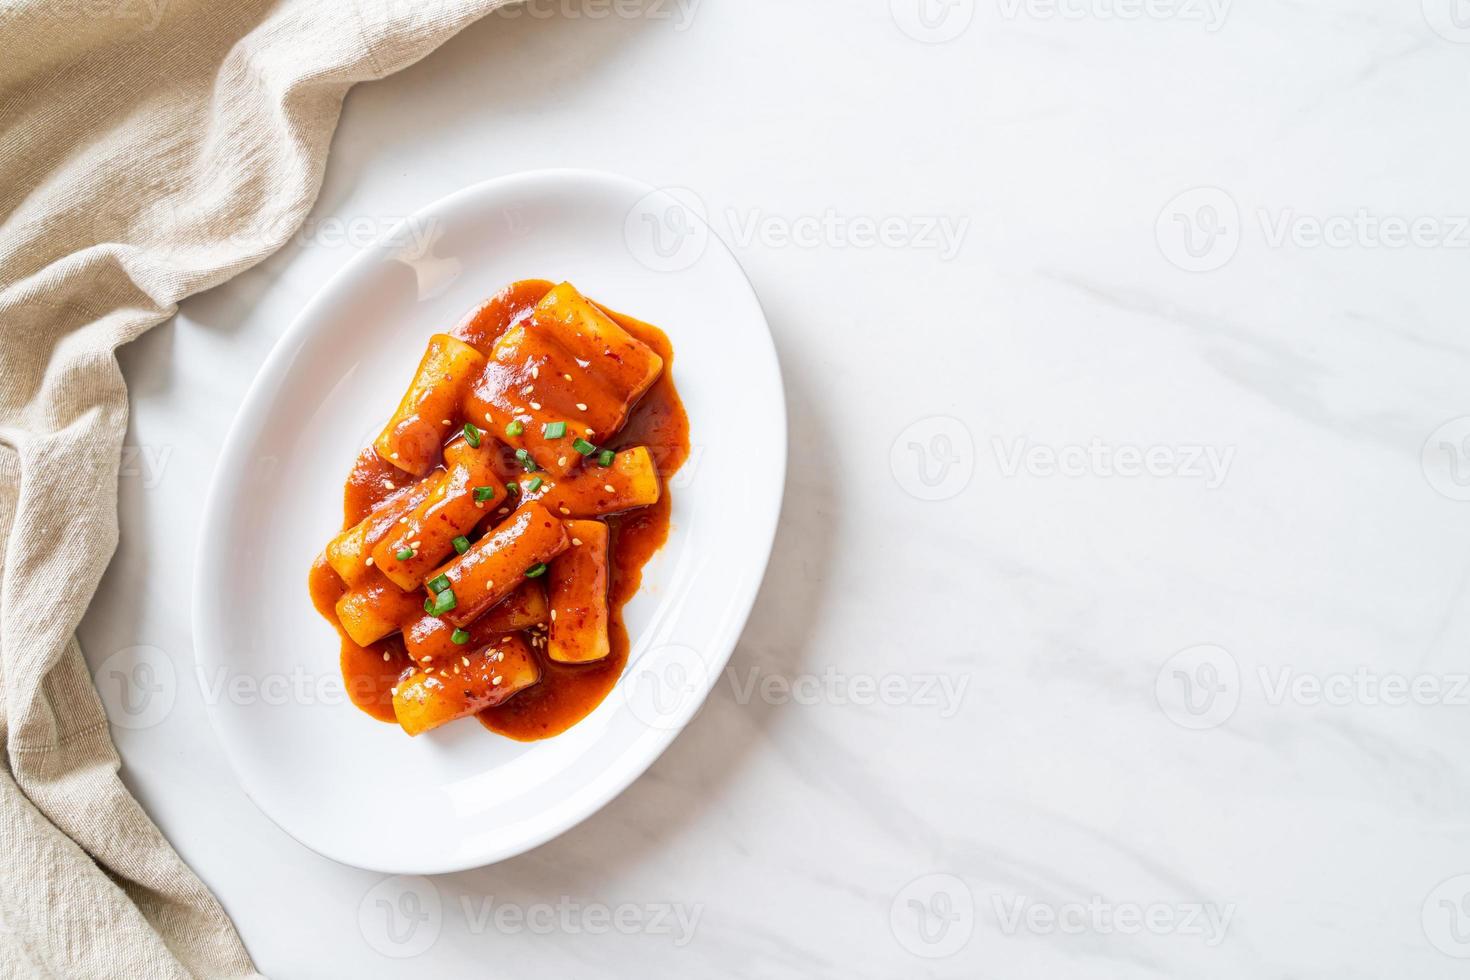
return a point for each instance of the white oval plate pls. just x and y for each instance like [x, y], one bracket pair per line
[358, 790]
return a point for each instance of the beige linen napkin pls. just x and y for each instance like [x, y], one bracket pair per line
[149, 149]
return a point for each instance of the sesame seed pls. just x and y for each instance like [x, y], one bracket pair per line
[581, 406]
[503, 510]
[403, 520]
[561, 461]
[488, 418]
[536, 406]
[576, 541]
[495, 682]
[563, 510]
[369, 561]
[553, 619]
[393, 691]
[588, 430]
[465, 661]
[385, 654]
[535, 371]
[609, 488]
[446, 422]
[388, 485]
[415, 545]
[567, 376]
[394, 456]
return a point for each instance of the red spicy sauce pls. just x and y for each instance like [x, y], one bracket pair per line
[566, 693]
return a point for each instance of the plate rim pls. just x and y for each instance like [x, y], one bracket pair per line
[250, 408]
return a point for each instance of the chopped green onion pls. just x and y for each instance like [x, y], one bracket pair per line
[438, 583]
[461, 544]
[526, 460]
[428, 605]
[442, 603]
[483, 494]
[404, 554]
[554, 430]
[472, 435]
[534, 485]
[514, 428]
[512, 488]
[459, 637]
[536, 570]
[583, 446]
[605, 458]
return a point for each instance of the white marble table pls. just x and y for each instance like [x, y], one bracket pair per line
[1117, 622]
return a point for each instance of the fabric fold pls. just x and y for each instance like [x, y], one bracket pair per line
[150, 151]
